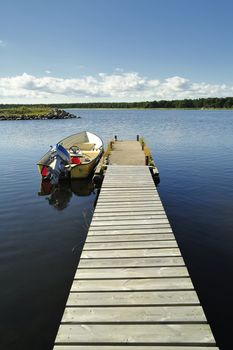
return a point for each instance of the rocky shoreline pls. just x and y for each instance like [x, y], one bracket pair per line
[53, 114]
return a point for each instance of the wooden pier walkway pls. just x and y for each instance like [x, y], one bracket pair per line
[132, 290]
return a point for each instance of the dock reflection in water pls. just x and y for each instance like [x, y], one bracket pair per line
[60, 195]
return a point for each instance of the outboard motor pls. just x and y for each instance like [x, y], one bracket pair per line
[60, 157]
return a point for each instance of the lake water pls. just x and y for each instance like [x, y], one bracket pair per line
[41, 236]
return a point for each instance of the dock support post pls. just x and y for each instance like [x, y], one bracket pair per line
[137, 137]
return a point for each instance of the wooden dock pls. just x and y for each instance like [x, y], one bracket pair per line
[132, 290]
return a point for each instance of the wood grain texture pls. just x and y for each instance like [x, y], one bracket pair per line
[131, 237]
[136, 314]
[128, 226]
[130, 245]
[135, 284]
[131, 262]
[136, 334]
[139, 272]
[130, 253]
[123, 298]
[137, 230]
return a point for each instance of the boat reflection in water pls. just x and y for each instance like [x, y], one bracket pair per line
[60, 195]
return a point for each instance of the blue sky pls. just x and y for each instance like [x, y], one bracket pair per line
[115, 50]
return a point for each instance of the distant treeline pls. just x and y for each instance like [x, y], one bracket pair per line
[206, 103]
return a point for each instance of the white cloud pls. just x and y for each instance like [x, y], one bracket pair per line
[118, 86]
[48, 71]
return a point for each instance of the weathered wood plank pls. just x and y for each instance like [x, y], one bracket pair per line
[139, 272]
[129, 196]
[131, 262]
[136, 207]
[130, 245]
[138, 198]
[130, 253]
[119, 285]
[135, 222]
[141, 183]
[188, 297]
[129, 238]
[128, 227]
[129, 178]
[136, 334]
[132, 209]
[129, 212]
[137, 314]
[129, 204]
[140, 203]
[139, 216]
[142, 230]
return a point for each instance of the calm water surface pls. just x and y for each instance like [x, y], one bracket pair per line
[41, 237]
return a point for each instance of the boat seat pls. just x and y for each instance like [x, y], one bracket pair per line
[85, 146]
[90, 154]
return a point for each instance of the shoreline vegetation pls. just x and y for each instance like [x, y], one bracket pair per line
[200, 103]
[33, 112]
[56, 111]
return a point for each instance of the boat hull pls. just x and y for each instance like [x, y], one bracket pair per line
[82, 171]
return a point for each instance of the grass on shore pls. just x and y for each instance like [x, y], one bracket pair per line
[29, 111]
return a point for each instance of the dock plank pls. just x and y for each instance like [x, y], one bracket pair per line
[137, 230]
[135, 209]
[141, 216]
[137, 314]
[188, 297]
[130, 237]
[139, 272]
[135, 284]
[130, 253]
[128, 227]
[131, 262]
[136, 334]
[127, 204]
[135, 222]
[130, 245]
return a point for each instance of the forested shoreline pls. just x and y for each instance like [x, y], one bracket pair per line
[200, 103]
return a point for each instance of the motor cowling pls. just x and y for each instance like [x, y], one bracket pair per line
[60, 158]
